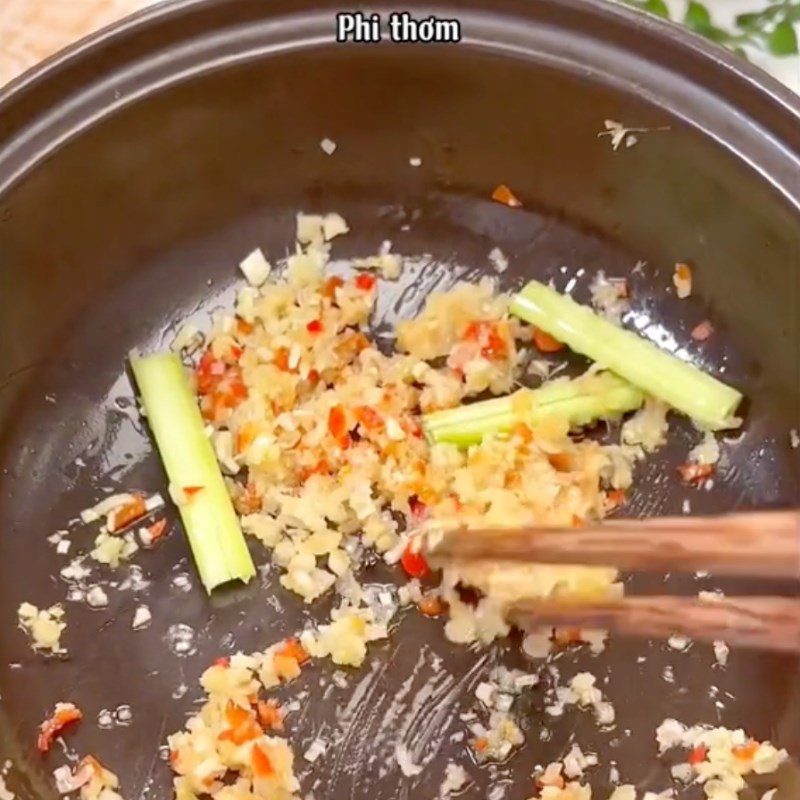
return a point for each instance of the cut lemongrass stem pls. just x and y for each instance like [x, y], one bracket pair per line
[576, 403]
[659, 373]
[196, 483]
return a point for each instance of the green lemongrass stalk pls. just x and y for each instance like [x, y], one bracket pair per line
[212, 526]
[657, 372]
[576, 402]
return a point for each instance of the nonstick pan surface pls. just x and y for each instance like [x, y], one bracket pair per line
[138, 169]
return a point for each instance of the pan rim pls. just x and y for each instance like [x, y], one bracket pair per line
[740, 107]
[717, 57]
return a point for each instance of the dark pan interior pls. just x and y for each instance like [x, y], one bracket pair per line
[135, 175]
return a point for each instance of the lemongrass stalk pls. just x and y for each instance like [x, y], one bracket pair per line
[576, 403]
[678, 383]
[212, 527]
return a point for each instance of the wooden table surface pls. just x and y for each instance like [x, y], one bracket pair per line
[31, 30]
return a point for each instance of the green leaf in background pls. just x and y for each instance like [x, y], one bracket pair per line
[783, 39]
[772, 28]
[698, 19]
[697, 16]
[658, 7]
[751, 21]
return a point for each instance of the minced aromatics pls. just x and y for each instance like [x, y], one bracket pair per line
[319, 434]
[327, 429]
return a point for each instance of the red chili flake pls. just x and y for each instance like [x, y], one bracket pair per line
[365, 282]
[368, 417]
[190, 491]
[281, 359]
[502, 194]
[209, 372]
[236, 352]
[315, 326]
[414, 563]
[313, 377]
[236, 387]
[487, 334]
[222, 661]
[694, 473]
[63, 715]
[702, 331]
[337, 423]
[697, 755]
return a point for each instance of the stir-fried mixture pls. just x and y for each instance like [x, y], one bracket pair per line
[298, 429]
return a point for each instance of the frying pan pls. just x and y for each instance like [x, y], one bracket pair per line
[139, 167]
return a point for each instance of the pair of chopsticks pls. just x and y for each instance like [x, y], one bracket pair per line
[757, 545]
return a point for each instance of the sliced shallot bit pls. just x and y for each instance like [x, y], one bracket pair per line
[63, 715]
[682, 279]
[157, 529]
[67, 782]
[694, 473]
[122, 516]
[551, 776]
[566, 636]
[561, 462]
[502, 194]
[621, 287]
[270, 715]
[331, 285]
[431, 605]
[702, 331]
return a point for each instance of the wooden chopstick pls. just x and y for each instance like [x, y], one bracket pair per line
[758, 544]
[769, 623]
